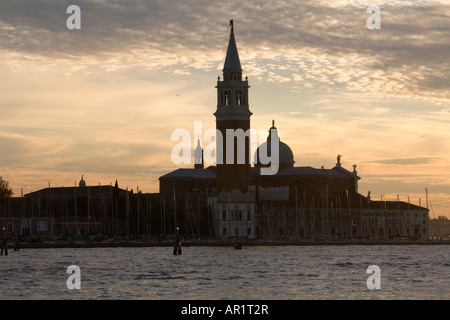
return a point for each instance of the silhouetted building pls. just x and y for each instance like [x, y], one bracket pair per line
[80, 212]
[232, 113]
[232, 199]
[296, 202]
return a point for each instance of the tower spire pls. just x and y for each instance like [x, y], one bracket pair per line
[232, 62]
[198, 155]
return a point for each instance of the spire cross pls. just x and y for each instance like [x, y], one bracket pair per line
[232, 27]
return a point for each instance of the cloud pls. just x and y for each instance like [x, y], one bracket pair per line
[323, 43]
[20, 149]
[407, 161]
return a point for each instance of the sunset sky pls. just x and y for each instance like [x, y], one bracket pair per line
[103, 101]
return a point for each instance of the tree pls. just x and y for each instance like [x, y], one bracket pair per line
[5, 190]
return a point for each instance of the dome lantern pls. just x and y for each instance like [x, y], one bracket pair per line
[82, 182]
[286, 157]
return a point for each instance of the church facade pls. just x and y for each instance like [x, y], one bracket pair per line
[297, 202]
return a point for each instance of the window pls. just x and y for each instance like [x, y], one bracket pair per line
[224, 231]
[225, 98]
[224, 215]
[42, 226]
[240, 98]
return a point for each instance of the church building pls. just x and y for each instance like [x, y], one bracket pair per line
[297, 202]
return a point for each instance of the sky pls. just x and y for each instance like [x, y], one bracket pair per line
[103, 101]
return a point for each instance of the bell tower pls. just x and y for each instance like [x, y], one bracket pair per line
[233, 114]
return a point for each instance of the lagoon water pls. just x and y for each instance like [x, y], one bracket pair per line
[257, 272]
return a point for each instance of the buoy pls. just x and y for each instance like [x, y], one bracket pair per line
[177, 247]
[238, 245]
[16, 244]
[4, 247]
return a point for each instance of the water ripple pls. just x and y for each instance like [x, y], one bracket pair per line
[316, 272]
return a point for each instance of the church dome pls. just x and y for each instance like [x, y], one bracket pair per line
[82, 183]
[286, 157]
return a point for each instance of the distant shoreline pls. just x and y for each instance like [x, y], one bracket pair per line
[226, 244]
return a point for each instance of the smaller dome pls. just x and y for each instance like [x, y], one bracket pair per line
[286, 157]
[82, 182]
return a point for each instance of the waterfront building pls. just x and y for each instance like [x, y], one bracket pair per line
[226, 201]
[297, 202]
